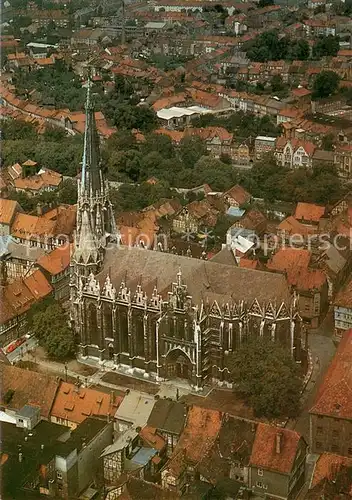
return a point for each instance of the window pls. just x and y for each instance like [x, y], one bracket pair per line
[265, 486]
[334, 447]
[350, 451]
[58, 475]
[319, 430]
[259, 484]
[318, 445]
[260, 472]
[335, 433]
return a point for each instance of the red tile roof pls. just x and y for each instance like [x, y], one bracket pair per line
[294, 262]
[76, 404]
[264, 453]
[239, 194]
[198, 436]
[292, 226]
[29, 388]
[18, 296]
[56, 261]
[7, 210]
[334, 396]
[328, 466]
[309, 212]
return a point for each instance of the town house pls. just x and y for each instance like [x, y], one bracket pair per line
[294, 153]
[331, 413]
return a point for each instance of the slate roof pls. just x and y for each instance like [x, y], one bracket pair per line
[204, 279]
[168, 416]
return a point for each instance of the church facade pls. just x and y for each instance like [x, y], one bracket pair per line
[162, 315]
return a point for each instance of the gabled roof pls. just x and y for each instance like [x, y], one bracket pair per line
[29, 388]
[8, 208]
[30, 226]
[233, 443]
[17, 297]
[198, 436]
[264, 454]
[204, 279]
[56, 261]
[168, 416]
[334, 396]
[295, 263]
[328, 467]
[309, 212]
[239, 194]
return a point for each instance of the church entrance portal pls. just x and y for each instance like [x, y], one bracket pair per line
[178, 365]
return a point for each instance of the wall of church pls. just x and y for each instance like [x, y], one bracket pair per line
[173, 342]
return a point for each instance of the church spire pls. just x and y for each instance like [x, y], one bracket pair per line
[91, 178]
[95, 218]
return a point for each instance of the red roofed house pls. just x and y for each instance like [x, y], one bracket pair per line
[310, 284]
[309, 213]
[8, 210]
[56, 267]
[332, 478]
[294, 153]
[74, 404]
[331, 414]
[200, 432]
[277, 462]
[237, 196]
[16, 299]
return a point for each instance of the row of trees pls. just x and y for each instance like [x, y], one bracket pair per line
[187, 165]
[269, 46]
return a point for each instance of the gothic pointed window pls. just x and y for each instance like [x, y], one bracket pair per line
[107, 320]
[124, 330]
[93, 325]
[139, 335]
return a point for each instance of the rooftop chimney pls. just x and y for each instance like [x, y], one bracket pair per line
[278, 442]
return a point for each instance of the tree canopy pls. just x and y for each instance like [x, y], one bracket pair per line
[267, 377]
[268, 46]
[50, 325]
[325, 84]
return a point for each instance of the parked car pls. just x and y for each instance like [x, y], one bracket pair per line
[16, 343]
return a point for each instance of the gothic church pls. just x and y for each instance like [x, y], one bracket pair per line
[159, 314]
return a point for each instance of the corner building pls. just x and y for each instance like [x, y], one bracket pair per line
[161, 314]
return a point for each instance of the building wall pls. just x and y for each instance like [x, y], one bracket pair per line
[342, 320]
[330, 434]
[89, 462]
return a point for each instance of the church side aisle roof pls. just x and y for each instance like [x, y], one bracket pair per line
[204, 279]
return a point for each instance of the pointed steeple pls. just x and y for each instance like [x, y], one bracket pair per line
[87, 247]
[95, 218]
[91, 178]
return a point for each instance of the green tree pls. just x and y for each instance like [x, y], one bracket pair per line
[265, 3]
[51, 327]
[326, 46]
[276, 83]
[15, 130]
[67, 193]
[325, 84]
[267, 377]
[327, 142]
[191, 149]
